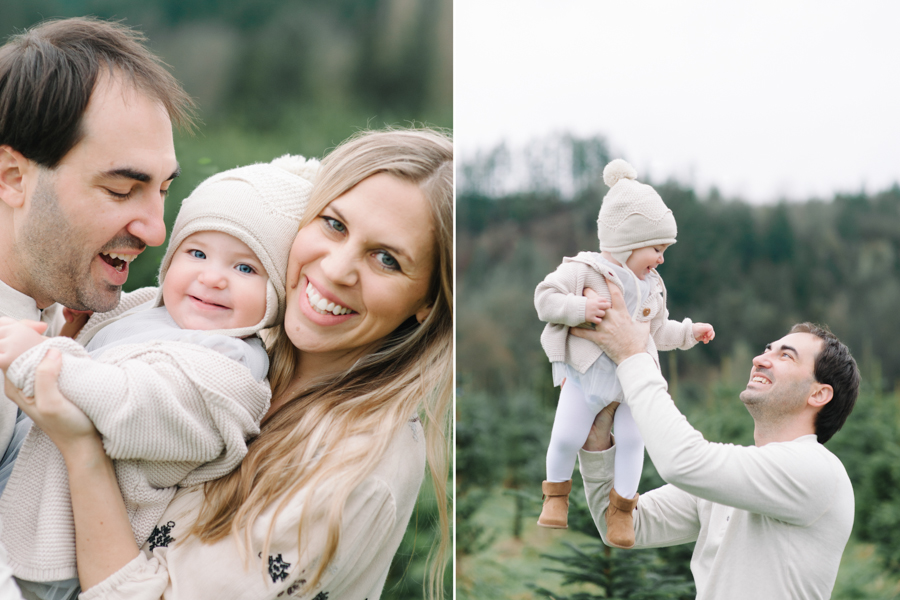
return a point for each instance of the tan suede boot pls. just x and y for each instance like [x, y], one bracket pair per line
[620, 520]
[555, 513]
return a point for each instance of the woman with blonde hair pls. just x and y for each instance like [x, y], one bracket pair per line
[361, 374]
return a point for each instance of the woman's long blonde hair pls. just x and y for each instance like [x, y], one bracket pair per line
[302, 446]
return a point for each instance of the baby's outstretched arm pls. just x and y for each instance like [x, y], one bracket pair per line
[703, 332]
[16, 337]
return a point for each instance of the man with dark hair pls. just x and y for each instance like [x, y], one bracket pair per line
[86, 159]
[770, 520]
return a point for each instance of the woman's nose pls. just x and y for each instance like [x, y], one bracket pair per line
[340, 266]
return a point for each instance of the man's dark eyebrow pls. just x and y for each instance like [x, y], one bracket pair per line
[129, 173]
[785, 347]
[790, 349]
[126, 173]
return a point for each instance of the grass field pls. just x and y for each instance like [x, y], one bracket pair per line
[509, 566]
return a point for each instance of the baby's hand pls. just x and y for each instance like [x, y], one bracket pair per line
[16, 337]
[75, 320]
[703, 332]
[595, 308]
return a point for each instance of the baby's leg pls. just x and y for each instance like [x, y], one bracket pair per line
[629, 453]
[570, 430]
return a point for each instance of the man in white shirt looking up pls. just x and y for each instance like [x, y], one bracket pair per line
[769, 520]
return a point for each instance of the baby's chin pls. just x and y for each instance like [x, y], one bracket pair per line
[202, 323]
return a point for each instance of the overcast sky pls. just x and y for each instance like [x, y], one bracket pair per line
[771, 99]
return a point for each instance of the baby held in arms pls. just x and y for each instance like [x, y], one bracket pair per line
[174, 378]
[635, 228]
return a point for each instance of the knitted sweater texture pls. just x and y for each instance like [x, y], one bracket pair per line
[170, 413]
[559, 301]
[768, 522]
[374, 521]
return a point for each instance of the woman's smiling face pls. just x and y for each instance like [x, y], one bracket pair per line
[361, 268]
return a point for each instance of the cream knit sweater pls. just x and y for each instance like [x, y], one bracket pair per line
[373, 523]
[559, 301]
[170, 413]
[769, 522]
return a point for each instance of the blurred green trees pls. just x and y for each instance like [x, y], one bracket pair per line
[274, 77]
[751, 271]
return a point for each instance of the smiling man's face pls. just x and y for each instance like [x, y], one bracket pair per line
[782, 377]
[88, 218]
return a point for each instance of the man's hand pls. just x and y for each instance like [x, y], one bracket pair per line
[703, 332]
[600, 437]
[16, 337]
[616, 334]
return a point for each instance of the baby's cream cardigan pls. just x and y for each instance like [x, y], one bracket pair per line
[559, 301]
[171, 414]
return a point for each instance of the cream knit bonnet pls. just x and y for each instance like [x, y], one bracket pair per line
[259, 204]
[632, 215]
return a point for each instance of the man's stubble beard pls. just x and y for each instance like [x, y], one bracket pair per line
[776, 405]
[56, 263]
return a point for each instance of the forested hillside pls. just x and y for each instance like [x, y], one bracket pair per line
[751, 271]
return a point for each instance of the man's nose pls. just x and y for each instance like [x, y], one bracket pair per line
[762, 360]
[148, 224]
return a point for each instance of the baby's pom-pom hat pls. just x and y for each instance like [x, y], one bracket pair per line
[632, 215]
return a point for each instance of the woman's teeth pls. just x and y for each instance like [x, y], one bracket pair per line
[323, 306]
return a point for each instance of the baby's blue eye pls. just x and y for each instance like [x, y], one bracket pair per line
[245, 269]
[197, 254]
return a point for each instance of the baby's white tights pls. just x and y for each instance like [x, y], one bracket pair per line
[570, 430]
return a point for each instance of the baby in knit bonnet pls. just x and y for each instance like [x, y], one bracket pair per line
[174, 378]
[635, 228]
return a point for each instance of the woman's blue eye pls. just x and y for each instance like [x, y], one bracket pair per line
[335, 224]
[245, 269]
[387, 261]
[197, 254]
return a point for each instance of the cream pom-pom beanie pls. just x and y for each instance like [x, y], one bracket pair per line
[632, 215]
[259, 204]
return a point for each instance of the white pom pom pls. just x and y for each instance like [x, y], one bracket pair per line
[616, 171]
[298, 165]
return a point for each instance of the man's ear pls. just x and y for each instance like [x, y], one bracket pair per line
[423, 313]
[13, 166]
[822, 394]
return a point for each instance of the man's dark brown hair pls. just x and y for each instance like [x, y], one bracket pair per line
[837, 368]
[47, 75]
